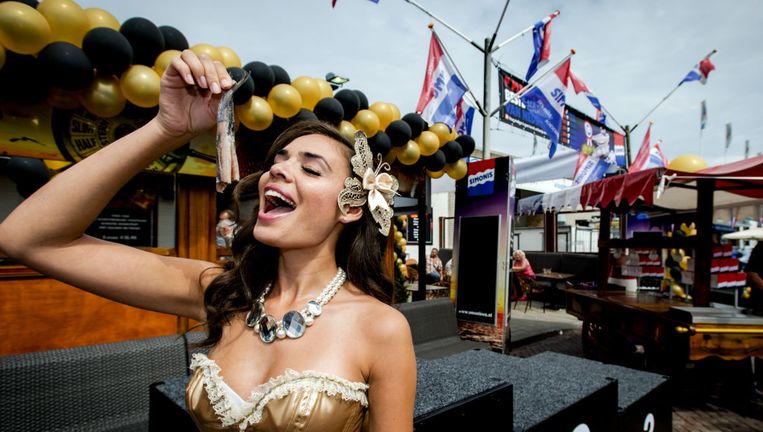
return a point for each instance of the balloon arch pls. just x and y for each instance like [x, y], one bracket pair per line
[110, 68]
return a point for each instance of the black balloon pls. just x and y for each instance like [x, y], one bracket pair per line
[109, 50]
[280, 75]
[399, 133]
[467, 144]
[452, 151]
[380, 143]
[245, 92]
[435, 162]
[145, 38]
[173, 38]
[362, 98]
[32, 3]
[29, 174]
[416, 123]
[329, 110]
[67, 66]
[263, 77]
[19, 69]
[350, 102]
[303, 115]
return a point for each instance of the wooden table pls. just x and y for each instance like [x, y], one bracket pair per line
[554, 279]
[666, 333]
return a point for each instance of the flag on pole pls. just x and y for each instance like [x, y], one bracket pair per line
[464, 117]
[700, 71]
[541, 46]
[580, 87]
[546, 102]
[728, 135]
[442, 89]
[703, 116]
[746, 149]
[643, 153]
[656, 157]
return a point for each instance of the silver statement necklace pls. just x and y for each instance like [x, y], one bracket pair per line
[294, 322]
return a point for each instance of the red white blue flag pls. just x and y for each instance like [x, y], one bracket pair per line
[464, 117]
[642, 157]
[541, 46]
[580, 87]
[546, 101]
[657, 158]
[700, 72]
[442, 89]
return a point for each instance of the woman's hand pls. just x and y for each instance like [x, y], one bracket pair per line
[190, 93]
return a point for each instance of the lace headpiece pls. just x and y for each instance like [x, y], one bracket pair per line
[373, 187]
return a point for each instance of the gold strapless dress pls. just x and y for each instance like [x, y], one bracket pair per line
[294, 401]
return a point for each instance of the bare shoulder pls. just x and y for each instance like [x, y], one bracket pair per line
[381, 322]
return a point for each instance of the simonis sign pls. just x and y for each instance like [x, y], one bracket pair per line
[481, 179]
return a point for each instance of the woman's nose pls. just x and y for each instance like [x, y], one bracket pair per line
[281, 170]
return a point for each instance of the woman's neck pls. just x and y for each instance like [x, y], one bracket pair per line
[303, 274]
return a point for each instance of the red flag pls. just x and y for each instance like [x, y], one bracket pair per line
[643, 153]
[661, 154]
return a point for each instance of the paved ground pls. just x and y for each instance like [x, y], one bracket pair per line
[701, 405]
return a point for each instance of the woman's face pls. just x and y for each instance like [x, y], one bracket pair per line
[298, 195]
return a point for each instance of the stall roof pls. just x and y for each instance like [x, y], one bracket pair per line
[737, 183]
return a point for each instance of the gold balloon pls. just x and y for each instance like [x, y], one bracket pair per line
[104, 97]
[385, 113]
[309, 89]
[366, 121]
[140, 85]
[428, 143]
[687, 163]
[442, 131]
[68, 22]
[63, 99]
[164, 59]
[453, 135]
[456, 170]
[402, 243]
[285, 100]
[409, 153]
[395, 112]
[98, 17]
[436, 174]
[398, 236]
[229, 57]
[326, 90]
[212, 52]
[22, 28]
[256, 114]
[347, 130]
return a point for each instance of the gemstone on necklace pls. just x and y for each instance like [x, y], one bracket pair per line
[314, 308]
[267, 325]
[294, 324]
[254, 315]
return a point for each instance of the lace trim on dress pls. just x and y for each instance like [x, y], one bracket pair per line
[250, 412]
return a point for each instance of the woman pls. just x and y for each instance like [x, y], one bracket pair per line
[288, 253]
[522, 269]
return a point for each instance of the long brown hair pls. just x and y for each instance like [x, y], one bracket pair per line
[360, 247]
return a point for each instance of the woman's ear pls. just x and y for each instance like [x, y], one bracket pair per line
[351, 214]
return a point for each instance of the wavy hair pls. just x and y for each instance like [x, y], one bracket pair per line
[360, 248]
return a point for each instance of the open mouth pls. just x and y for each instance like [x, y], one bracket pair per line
[276, 203]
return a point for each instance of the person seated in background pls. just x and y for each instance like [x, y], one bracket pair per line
[434, 267]
[521, 268]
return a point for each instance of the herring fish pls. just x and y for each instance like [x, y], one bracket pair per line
[227, 161]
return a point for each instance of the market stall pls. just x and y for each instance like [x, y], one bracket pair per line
[675, 321]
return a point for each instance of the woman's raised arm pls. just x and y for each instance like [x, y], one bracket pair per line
[55, 244]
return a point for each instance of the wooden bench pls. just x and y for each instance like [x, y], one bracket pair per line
[435, 329]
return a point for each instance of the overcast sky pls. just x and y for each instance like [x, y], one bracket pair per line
[630, 54]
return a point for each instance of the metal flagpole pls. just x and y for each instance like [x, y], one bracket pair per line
[531, 85]
[665, 98]
[487, 51]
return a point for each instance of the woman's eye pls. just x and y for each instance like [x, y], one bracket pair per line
[311, 171]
